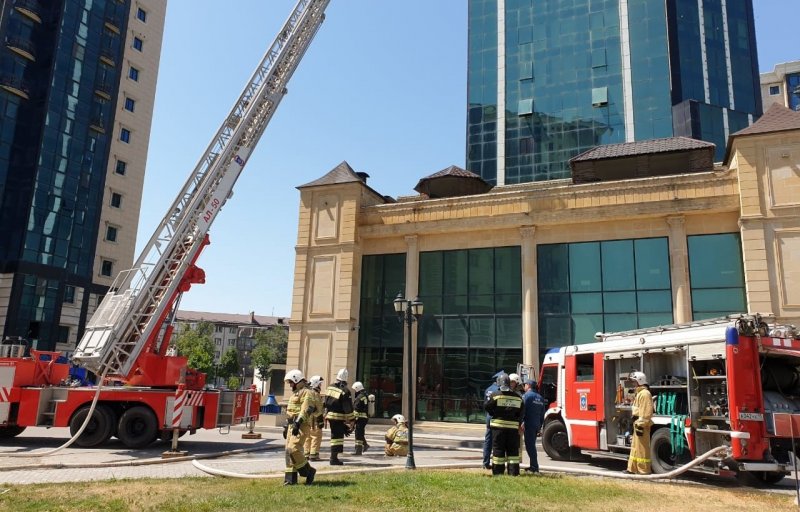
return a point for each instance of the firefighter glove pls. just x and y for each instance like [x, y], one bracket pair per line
[296, 428]
[639, 429]
[347, 431]
[285, 430]
[320, 422]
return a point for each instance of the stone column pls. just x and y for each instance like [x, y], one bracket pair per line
[412, 289]
[530, 299]
[679, 269]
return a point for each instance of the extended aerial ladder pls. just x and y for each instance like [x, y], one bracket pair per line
[122, 337]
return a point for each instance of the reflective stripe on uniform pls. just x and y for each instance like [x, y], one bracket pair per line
[639, 459]
[499, 460]
[337, 442]
[508, 401]
[514, 460]
[360, 415]
[337, 416]
[498, 423]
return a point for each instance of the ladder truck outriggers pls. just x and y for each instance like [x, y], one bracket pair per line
[126, 341]
[732, 382]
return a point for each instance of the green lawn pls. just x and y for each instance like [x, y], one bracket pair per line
[386, 491]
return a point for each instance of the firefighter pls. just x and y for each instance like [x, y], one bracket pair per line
[487, 440]
[300, 411]
[642, 419]
[361, 413]
[314, 441]
[515, 383]
[507, 411]
[338, 414]
[397, 438]
[534, 417]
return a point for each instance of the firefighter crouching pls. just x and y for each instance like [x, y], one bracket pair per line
[507, 411]
[338, 414]
[397, 438]
[299, 411]
[361, 413]
[314, 441]
[642, 411]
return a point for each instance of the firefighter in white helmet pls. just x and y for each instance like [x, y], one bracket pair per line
[314, 441]
[338, 414]
[397, 438]
[299, 413]
[642, 411]
[361, 413]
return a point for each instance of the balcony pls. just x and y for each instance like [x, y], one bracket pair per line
[109, 57]
[97, 124]
[15, 85]
[30, 9]
[21, 47]
[113, 25]
[103, 90]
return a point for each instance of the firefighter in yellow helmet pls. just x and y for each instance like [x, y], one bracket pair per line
[397, 438]
[639, 459]
[299, 414]
[314, 441]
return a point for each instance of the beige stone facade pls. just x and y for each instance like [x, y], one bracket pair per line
[774, 87]
[341, 220]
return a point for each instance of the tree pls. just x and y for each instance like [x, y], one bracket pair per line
[196, 345]
[229, 364]
[271, 345]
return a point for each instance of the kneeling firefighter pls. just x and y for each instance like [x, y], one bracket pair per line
[639, 460]
[397, 438]
[300, 410]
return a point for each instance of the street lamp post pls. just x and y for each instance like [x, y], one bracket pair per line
[409, 311]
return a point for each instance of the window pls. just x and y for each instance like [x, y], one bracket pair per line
[232, 330]
[133, 74]
[111, 233]
[116, 200]
[141, 14]
[716, 275]
[217, 341]
[231, 342]
[106, 268]
[217, 328]
[125, 135]
[774, 90]
[137, 43]
[584, 367]
[69, 294]
[121, 167]
[130, 104]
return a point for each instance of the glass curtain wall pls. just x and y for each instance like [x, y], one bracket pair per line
[380, 335]
[472, 328]
[610, 286]
[716, 275]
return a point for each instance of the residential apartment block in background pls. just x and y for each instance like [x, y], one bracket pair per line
[782, 86]
[77, 86]
[549, 80]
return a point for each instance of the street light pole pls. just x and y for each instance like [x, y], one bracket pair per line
[409, 311]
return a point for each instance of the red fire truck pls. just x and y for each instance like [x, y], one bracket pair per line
[146, 392]
[733, 381]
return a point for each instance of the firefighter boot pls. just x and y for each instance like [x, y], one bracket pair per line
[335, 459]
[313, 456]
[308, 472]
[498, 469]
[513, 469]
[290, 478]
[366, 446]
[359, 450]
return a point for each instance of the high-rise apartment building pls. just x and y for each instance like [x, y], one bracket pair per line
[77, 86]
[548, 80]
[782, 86]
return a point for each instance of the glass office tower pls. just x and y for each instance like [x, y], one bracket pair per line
[548, 80]
[61, 67]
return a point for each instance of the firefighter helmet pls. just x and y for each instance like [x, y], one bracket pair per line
[342, 375]
[639, 378]
[399, 418]
[514, 378]
[357, 386]
[502, 382]
[316, 382]
[294, 376]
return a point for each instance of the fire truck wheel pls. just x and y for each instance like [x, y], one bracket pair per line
[10, 431]
[137, 427]
[555, 440]
[661, 453]
[97, 431]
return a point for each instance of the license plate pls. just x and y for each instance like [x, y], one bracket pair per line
[751, 416]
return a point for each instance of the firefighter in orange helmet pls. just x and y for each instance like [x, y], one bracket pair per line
[299, 412]
[639, 459]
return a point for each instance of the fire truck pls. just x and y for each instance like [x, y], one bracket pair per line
[145, 391]
[732, 381]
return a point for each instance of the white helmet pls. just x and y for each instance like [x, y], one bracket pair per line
[294, 376]
[357, 386]
[342, 375]
[638, 377]
[399, 418]
[514, 378]
[316, 382]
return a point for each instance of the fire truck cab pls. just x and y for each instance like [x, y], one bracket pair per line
[732, 381]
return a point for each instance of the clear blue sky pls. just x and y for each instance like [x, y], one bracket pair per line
[383, 86]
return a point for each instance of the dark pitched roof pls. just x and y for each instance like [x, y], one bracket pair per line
[452, 182]
[453, 170]
[342, 173]
[230, 318]
[776, 119]
[628, 149]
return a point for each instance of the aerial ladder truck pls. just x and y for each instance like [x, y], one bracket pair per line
[127, 339]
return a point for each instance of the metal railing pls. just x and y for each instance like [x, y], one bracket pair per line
[21, 44]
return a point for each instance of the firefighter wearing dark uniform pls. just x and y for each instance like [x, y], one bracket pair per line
[639, 460]
[299, 413]
[339, 414]
[507, 411]
[314, 441]
[361, 414]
